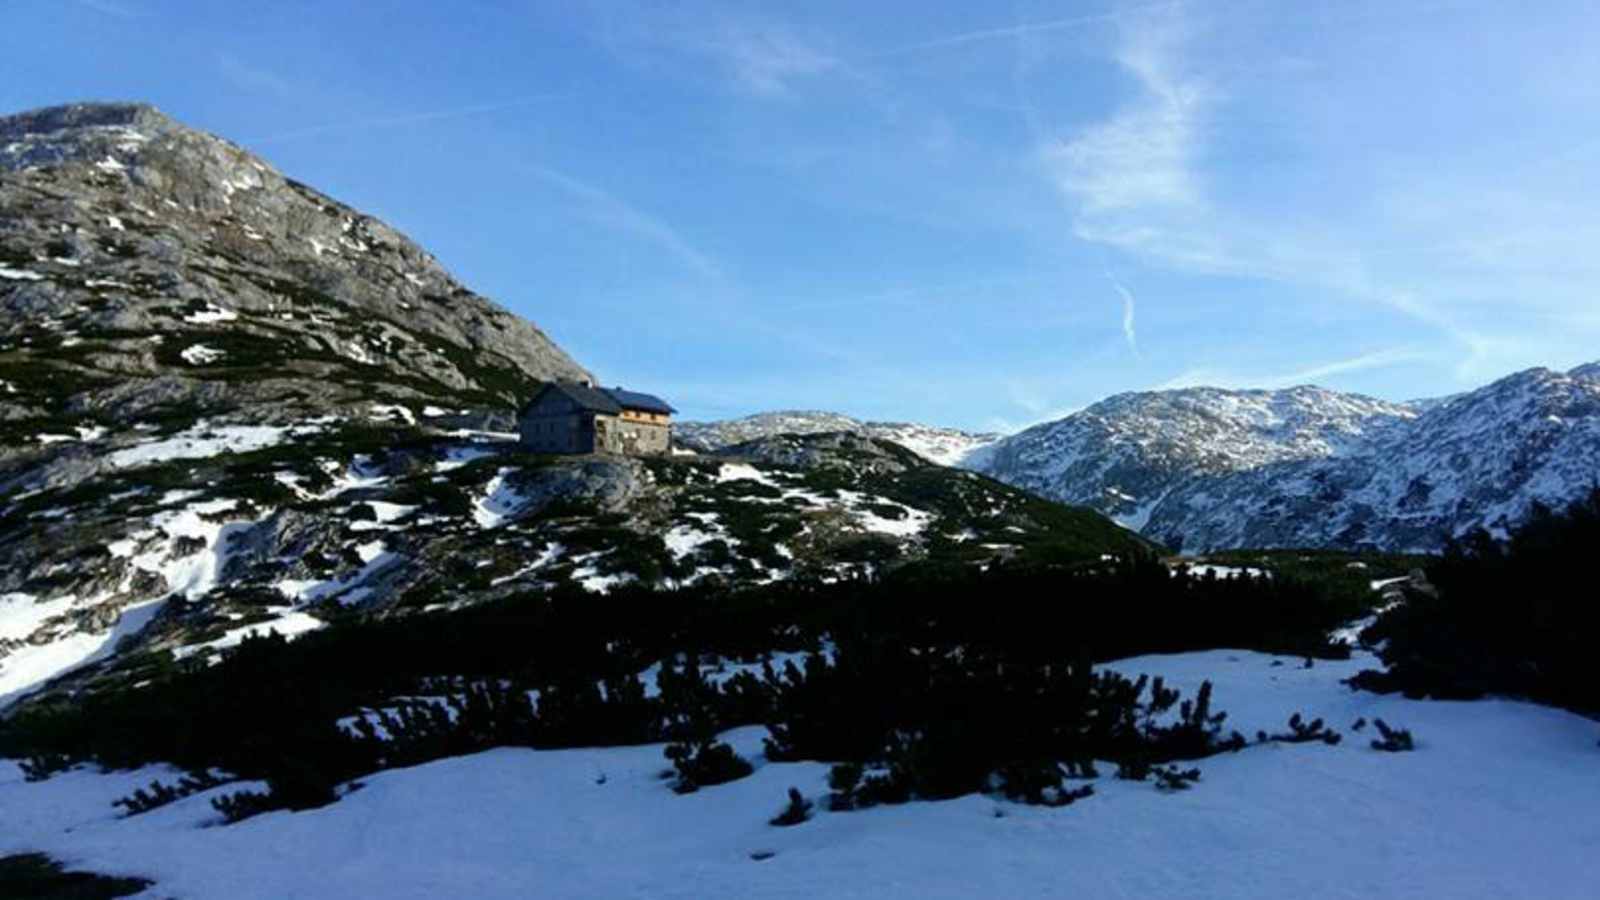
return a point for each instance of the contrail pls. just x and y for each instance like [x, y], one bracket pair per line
[612, 210]
[408, 119]
[1019, 30]
[109, 8]
[1128, 332]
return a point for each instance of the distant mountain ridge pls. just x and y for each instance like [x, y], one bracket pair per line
[1204, 468]
[1208, 468]
[945, 446]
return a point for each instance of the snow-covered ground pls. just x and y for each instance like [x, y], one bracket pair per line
[858, 507]
[500, 502]
[27, 666]
[49, 642]
[1498, 801]
[349, 588]
[203, 441]
[286, 621]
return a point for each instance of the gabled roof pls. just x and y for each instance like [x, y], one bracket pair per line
[591, 399]
[604, 400]
[638, 401]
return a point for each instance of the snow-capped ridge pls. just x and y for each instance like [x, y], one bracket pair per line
[1208, 468]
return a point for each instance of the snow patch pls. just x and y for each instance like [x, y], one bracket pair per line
[211, 315]
[289, 622]
[201, 355]
[384, 411]
[743, 472]
[203, 441]
[29, 666]
[385, 514]
[546, 557]
[500, 502]
[347, 589]
[456, 457]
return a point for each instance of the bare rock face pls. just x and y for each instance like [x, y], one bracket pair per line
[147, 268]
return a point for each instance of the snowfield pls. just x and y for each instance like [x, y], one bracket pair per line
[1497, 801]
[27, 666]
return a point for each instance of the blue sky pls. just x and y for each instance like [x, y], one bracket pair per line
[957, 213]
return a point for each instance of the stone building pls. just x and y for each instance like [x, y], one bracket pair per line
[568, 417]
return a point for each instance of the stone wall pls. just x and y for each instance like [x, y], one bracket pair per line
[631, 438]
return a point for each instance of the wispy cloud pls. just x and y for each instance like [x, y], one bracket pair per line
[1273, 381]
[1137, 182]
[370, 122]
[1037, 399]
[1142, 157]
[613, 212]
[252, 77]
[757, 55]
[767, 59]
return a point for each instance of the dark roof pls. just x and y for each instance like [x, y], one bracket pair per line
[605, 400]
[586, 397]
[636, 400]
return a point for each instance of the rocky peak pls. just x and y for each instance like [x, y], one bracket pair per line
[150, 269]
[57, 134]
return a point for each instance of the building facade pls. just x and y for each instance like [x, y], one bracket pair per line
[567, 417]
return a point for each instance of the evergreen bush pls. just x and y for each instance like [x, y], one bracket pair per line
[798, 810]
[160, 794]
[1172, 778]
[1301, 731]
[704, 763]
[1392, 740]
[1510, 617]
[916, 689]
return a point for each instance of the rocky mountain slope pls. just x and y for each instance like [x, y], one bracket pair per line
[229, 403]
[945, 446]
[148, 270]
[1127, 452]
[1204, 468]
[198, 537]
